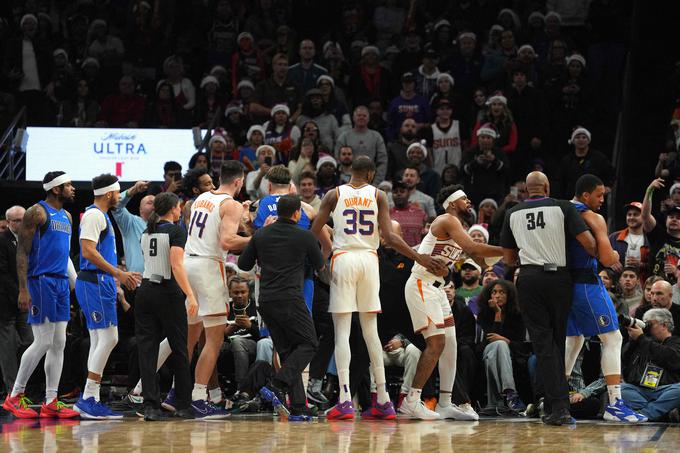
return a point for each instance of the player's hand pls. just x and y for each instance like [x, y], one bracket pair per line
[657, 184]
[392, 345]
[576, 398]
[24, 300]
[192, 306]
[635, 332]
[435, 265]
[130, 280]
[139, 187]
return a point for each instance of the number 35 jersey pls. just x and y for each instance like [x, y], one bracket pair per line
[355, 219]
[203, 236]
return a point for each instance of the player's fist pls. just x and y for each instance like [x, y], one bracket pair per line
[24, 300]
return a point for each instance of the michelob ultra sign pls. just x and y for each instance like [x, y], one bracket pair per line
[130, 154]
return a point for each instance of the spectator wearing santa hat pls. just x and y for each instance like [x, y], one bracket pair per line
[500, 117]
[247, 61]
[280, 132]
[370, 80]
[430, 182]
[209, 101]
[583, 159]
[485, 167]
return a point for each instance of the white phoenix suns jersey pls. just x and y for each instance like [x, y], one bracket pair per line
[436, 247]
[355, 218]
[203, 238]
[446, 146]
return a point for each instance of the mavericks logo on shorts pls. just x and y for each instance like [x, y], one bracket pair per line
[35, 311]
[603, 320]
[96, 316]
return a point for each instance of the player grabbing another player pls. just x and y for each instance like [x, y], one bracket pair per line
[592, 311]
[44, 269]
[360, 216]
[213, 231]
[430, 310]
[96, 290]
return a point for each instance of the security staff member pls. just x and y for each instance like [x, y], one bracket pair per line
[535, 235]
[160, 309]
[280, 250]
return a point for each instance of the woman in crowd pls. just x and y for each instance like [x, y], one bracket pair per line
[280, 132]
[302, 157]
[500, 117]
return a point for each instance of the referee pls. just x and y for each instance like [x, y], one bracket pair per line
[160, 310]
[281, 249]
[535, 235]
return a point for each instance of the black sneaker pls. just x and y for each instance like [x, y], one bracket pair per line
[151, 414]
[302, 413]
[559, 418]
[186, 413]
[317, 397]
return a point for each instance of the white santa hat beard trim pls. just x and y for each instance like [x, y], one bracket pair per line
[59, 180]
[577, 131]
[104, 190]
[457, 195]
[487, 131]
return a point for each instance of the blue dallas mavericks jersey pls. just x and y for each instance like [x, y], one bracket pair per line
[578, 257]
[106, 246]
[51, 245]
[267, 207]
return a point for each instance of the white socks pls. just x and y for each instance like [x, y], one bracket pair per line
[342, 323]
[91, 389]
[614, 392]
[199, 393]
[414, 395]
[447, 366]
[215, 395]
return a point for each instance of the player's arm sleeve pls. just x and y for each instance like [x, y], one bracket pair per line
[92, 225]
[246, 261]
[72, 274]
[507, 238]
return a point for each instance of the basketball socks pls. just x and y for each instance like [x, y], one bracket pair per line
[447, 366]
[215, 395]
[369, 328]
[343, 379]
[444, 399]
[91, 389]
[614, 392]
[200, 392]
[414, 394]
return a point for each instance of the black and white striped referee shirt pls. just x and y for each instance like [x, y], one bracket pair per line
[540, 228]
[156, 249]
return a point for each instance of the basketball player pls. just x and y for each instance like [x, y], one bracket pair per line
[430, 310]
[44, 270]
[360, 216]
[592, 311]
[96, 290]
[213, 231]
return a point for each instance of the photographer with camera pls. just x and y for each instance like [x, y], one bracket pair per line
[651, 366]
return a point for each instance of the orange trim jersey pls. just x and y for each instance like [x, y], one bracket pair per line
[436, 247]
[355, 218]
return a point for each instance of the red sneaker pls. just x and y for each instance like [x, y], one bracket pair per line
[18, 406]
[341, 411]
[57, 409]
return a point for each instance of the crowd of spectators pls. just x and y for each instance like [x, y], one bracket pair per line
[435, 93]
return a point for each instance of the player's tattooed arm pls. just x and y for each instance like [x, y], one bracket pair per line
[33, 219]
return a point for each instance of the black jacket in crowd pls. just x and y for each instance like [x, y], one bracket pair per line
[9, 283]
[664, 354]
[251, 311]
[573, 167]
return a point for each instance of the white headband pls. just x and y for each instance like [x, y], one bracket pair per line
[59, 180]
[458, 194]
[104, 190]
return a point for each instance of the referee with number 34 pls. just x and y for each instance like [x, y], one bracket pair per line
[535, 235]
[160, 306]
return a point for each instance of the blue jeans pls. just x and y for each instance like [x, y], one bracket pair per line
[653, 403]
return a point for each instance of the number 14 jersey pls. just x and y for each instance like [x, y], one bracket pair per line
[203, 237]
[355, 219]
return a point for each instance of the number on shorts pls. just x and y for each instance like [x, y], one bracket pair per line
[199, 219]
[356, 221]
[153, 247]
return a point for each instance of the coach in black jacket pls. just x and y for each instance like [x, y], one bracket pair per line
[12, 321]
[280, 250]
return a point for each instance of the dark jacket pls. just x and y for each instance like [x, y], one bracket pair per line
[666, 354]
[14, 60]
[251, 311]
[485, 179]
[9, 283]
[395, 270]
[511, 327]
[572, 167]
[530, 113]
[466, 326]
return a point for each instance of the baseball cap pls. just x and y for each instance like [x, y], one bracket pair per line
[674, 210]
[430, 53]
[471, 263]
[407, 77]
[633, 204]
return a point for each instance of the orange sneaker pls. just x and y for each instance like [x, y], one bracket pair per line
[430, 402]
[18, 406]
[57, 409]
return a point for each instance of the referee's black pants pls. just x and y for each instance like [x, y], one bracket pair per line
[292, 330]
[545, 301]
[160, 313]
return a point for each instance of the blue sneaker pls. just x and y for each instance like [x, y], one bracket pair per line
[205, 410]
[271, 397]
[514, 402]
[95, 410]
[169, 403]
[619, 412]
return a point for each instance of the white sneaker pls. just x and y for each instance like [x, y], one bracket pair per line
[456, 412]
[417, 409]
[469, 412]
